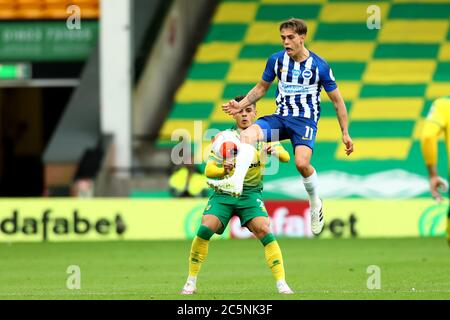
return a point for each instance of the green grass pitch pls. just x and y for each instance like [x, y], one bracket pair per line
[235, 269]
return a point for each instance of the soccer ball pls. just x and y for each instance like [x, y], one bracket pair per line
[225, 145]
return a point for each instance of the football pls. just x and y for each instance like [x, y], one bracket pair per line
[226, 145]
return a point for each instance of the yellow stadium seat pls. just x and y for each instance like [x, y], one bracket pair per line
[7, 11]
[393, 108]
[344, 50]
[56, 12]
[414, 71]
[50, 4]
[226, 13]
[403, 31]
[30, 11]
[89, 12]
[56, 2]
[444, 53]
[380, 149]
[349, 12]
[85, 2]
[349, 89]
[192, 91]
[246, 70]
[28, 2]
[328, 130]
[437, 89]
[217, 51]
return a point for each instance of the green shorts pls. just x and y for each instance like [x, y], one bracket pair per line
[248, 206]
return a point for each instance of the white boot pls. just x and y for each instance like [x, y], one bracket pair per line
[317, 220]
[283, 287]
[190, 286]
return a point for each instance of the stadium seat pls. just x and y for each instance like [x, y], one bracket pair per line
[30, 11]
[89, 12]
[28, 2]
[56, 2]
[7, 10]
[46, 9]
[56, 12]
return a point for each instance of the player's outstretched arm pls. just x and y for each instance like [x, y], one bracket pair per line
[341, 112]
[259, 90]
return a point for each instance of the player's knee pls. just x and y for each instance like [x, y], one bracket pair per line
[302, 165]
[261, 231]
[211, 222]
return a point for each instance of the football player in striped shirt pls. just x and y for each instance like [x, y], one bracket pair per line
[301, 75]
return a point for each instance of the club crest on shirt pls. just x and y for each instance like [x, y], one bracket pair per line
[307, 74]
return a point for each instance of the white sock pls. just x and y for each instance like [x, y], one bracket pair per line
[192, 280]
[311, 185]
[243, 161]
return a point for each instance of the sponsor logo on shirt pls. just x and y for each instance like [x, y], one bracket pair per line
[296, 88]
[307, 74]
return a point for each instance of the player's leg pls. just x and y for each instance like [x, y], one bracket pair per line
[303, 155]
[216, 216]
[302, 135]
[259, 226]
[247, 150]
[199, 250]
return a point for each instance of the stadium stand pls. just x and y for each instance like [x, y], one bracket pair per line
[388, 77]
[45, 9]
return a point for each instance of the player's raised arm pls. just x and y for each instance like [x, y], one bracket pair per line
[259, 90]
[341, 113]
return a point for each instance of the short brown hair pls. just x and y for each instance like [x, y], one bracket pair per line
[298, 25]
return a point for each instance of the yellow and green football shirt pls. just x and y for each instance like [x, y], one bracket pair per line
[437, 122]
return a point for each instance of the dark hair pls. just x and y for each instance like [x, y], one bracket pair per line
[239, 98]
[298, 25]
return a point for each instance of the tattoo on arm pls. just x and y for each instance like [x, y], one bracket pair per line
[252, 97]
[255, 94]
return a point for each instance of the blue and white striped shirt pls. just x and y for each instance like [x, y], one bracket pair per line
[299, 84]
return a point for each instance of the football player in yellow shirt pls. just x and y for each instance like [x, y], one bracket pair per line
[437, 122]
[249, 207]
